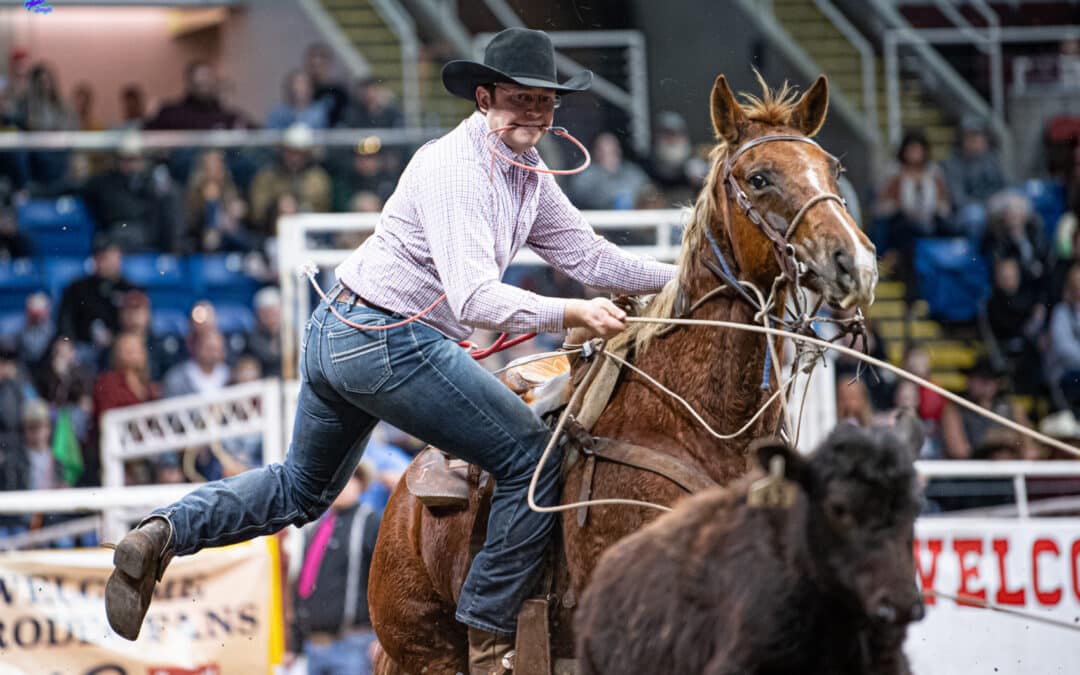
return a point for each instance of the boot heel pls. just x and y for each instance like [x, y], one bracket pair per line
[133, 555]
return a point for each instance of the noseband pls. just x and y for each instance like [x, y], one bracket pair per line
[782, 248]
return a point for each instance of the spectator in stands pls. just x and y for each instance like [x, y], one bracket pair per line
[216, 213]
[1015, 231]
[853, 403]
[135, 318]
[89, 308]
[931, 404]
[38, 328]
[43, 109]
[388, 463]
[969, 435]
[61, 377]
[973, 174]
[371, 106]
[18, 74]
[132, 107]
[1063, 354]
[294, 173]
[126, 383]
[906, 397]
[331, 621]
[298, 105]
[612, 183]
[1011, 322]
[669, 163]
[204, 373]
[245, 452]
[135, 203]
[13, 461]
[365, 173]
[319, 65]
[200, 107]
[879, 383]
[913, 202]
[264, 341]
[1069, 63]
[82, 99]
[13, 244]
[43, 471]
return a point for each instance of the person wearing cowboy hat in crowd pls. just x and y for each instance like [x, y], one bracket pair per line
[451, 227]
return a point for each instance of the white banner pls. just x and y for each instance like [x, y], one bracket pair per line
[1030, 566]
[215, 613]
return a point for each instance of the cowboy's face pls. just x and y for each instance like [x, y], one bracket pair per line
[529, 107]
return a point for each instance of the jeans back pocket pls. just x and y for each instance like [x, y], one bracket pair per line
[360, 358]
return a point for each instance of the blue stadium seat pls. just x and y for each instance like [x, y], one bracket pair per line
[221, 279]
[166, 321]
[18, 279]
[234, 318]
[1048, 199]
[165, 278]
[953, 278]
[60, 226]
[60, 271]
[11, 323]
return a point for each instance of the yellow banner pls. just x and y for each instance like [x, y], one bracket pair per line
[214, 613]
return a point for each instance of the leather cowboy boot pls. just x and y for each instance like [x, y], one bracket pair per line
[489, 653]
[140, 560]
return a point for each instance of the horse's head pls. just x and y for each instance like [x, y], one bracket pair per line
[782, 189]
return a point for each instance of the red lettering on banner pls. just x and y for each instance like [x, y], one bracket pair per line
[1004, 596]
[1074, 553]
[969, 572]
[1048, 598]
[926, 579]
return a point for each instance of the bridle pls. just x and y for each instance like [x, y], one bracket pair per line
[782, 247]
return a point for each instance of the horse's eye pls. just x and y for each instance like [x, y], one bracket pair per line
[758, 181]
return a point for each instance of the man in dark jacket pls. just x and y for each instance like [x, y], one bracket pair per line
[200, 108]
[89, 307]
[14, 466]
[331, 612]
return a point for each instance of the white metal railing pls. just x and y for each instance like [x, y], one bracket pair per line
[1017, 471]
[866, 58]
[401, 24]
[295, 251]
[174, 424]
[214, 138]
[331, 32]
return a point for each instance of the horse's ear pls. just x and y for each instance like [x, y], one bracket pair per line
[796, 468]
[728, 119]
[809, 114]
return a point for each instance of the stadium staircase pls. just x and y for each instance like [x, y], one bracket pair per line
[370, 34]
[836, 56]
[951, 348]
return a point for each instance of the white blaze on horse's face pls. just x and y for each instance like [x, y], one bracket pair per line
[840, 256]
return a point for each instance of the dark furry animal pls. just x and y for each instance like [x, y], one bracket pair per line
[721, 587]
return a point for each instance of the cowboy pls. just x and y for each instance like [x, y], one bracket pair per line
[452, 226]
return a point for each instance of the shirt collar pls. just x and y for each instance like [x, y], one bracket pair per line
[477, 127]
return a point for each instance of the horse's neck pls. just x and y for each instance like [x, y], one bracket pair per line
[719, 372]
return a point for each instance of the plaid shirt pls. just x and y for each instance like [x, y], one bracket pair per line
[450, 228]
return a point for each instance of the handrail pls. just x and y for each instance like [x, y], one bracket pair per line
[866, 57]
[213, 138]
[401, 24]
[762, 17]
[335, 37]
[1018, 471]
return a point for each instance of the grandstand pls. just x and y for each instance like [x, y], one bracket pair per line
[185, 156]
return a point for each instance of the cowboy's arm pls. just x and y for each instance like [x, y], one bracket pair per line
[561, 236]
[457, 220]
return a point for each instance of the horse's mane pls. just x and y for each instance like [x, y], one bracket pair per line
[773, 108]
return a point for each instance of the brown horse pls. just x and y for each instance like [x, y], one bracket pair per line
[421, 558]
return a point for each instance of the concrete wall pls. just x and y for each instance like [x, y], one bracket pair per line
[109, 47]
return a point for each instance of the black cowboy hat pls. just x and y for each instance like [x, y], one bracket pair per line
[517, 55]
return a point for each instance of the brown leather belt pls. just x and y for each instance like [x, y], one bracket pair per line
[352, 299]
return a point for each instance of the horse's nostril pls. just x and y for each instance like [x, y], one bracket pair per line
[845, 263]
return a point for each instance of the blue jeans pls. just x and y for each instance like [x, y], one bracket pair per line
[347, 656]
[422, 382]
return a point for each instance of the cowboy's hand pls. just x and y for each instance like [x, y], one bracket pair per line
[600, 315]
